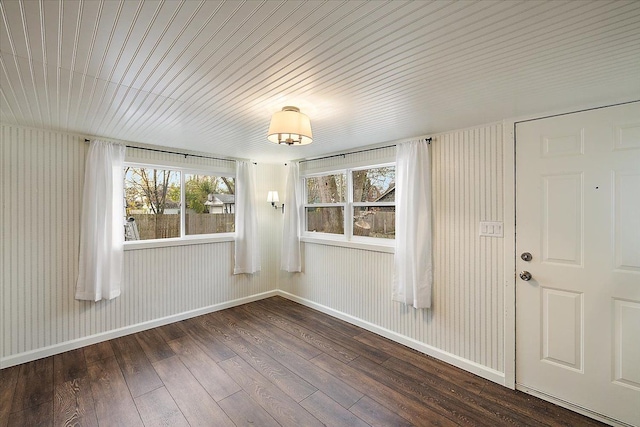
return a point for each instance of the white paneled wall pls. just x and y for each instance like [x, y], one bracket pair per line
[42, 175]
[465, 325]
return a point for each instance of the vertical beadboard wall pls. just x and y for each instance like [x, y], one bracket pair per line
[42, 177]
[466, 321]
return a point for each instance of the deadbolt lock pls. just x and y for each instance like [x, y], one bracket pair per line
[526, 256]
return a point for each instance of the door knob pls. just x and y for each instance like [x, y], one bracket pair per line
[525, 275]
[526, 256]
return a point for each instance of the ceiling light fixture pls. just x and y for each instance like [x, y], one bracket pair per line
[290, 127]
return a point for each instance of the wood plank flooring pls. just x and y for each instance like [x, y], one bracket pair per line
[269, 363]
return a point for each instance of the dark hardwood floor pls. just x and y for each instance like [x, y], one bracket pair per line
[268, 363]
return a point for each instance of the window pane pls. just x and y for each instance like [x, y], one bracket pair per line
[152, 199]
[375, 184]
[327, 188]
[326, 220]
[210, 204]
[375, 221]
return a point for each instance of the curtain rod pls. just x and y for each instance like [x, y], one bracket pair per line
[173, 152]
[355, 152]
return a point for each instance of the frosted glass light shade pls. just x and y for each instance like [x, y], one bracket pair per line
[273, 197]
[290, 127]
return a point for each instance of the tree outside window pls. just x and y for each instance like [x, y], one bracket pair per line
[150, 206]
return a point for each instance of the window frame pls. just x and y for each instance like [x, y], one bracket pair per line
[184, 239]
[343, 205]
[347, 239]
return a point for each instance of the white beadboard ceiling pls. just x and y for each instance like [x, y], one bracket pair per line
[207, 75]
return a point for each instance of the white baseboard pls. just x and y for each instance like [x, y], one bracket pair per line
[575, 408]
[116, 333]
[452, 359]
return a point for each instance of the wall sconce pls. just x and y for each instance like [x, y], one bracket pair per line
[273, 198]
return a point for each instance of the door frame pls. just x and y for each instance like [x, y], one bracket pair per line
[509, 265]
[510, 273]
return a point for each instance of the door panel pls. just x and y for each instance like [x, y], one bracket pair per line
[626, 357]
[627, 217]
[562, 219]
[562, 328]
[578, 214]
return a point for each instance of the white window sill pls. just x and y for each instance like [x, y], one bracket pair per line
[134, 245]
[378, 245]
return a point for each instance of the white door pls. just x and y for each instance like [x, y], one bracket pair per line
[578, 215]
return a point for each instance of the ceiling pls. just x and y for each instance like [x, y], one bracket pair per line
[207, 75]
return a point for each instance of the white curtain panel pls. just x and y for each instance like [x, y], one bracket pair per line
[102, 227]
[291, 258]
[247, 246]
[413, 275]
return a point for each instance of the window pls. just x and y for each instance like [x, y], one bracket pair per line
[154, 197]
[366, 196]
[374, 202]
[210, 204]
[326, 197]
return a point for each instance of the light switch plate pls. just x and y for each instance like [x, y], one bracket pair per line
[491, 229]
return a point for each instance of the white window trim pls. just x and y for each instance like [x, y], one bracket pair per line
[134, 245]
[347, 239]
[183, 240]
[369, 245]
